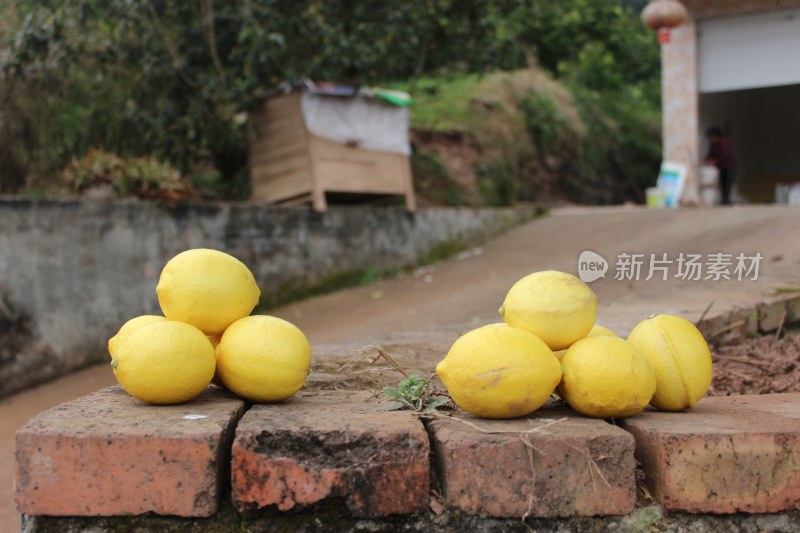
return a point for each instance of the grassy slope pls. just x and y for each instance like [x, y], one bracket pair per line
[441, 104]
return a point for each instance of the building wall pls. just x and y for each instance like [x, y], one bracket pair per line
[680, 103]
[681, 109]
[726, 8]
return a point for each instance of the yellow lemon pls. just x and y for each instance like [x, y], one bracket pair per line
[596, 331]
[556, 307]
[164, 362]
[680, 357]
[207, 289]
[130, 326]
[606, 377]
[497, 371]
[263, 358]
[601, 331]
[214, 339]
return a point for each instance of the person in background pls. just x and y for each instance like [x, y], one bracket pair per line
[720, 155]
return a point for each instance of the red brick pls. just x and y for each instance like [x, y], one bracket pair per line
[770, 314]
[793, 309]
[577, 466]
[331, 444]
[110, 454]
[734, 453]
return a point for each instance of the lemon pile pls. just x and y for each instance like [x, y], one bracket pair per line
[550, 342]
[206, 334]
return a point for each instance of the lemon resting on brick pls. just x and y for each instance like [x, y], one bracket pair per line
[130, 326]
[680, 356]
[606, 377]
[164, 362]
[497, 371]
[263, 358]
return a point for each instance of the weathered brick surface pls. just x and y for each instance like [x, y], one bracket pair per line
[110, 454]
[793, 309]
[328, 445]
[576, 466]
[771, 313]
[734, 453]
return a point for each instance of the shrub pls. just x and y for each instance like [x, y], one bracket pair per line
[432, 180]
[145, 177]
[497, 182]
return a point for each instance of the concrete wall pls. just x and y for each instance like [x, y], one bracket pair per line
[72, 272]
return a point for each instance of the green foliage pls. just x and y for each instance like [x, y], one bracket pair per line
[417, 394]
[441, 103]
[545, 140]
[557, 32]
[543, 120]
[623, 124]
[172, 79]
[498, 182]
[432, 180]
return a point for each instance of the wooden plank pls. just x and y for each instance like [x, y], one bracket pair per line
[279, 167]
[279, 106]
[349, 177]
[280, 188]
[262, 149]
[279, 151]
[268, 127]
[348, 169]
[408, 179]
[297, 200]
[278, 159]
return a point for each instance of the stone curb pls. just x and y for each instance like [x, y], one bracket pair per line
[551, 463]
[331, 444]
[108, 454]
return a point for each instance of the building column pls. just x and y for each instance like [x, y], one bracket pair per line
[680, 102]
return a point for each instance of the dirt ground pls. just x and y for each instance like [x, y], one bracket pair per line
[441, 301]
[760, 365]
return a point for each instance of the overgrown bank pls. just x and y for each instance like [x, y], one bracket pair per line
[524, 136]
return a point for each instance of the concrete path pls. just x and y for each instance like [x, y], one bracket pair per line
[466, 291]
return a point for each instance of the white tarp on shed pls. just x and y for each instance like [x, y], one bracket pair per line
[368, 123]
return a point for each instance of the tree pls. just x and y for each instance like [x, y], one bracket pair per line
[171, 78]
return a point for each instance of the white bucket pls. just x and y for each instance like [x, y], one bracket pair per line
[709, 195]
